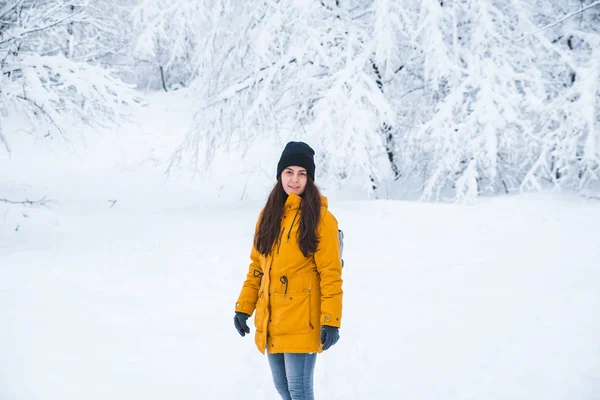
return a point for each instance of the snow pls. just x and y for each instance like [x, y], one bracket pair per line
[495, 300]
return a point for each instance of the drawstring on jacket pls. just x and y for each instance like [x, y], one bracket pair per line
[284, 280]
[294, 220]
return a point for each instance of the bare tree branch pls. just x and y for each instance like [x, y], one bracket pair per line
[45, 113]
[43, 202]
[67, 19]
[4, 142]
[597, 3]
[9, 7]
[248, 82]
[590, 197]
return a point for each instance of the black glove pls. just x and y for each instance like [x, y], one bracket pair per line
[240, 323]
[329, 336]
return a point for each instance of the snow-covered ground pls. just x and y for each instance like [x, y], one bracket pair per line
[134, 299]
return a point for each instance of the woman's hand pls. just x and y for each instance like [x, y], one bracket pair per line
[329, 336]
[239, 321]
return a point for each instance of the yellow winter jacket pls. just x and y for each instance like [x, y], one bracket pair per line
[294, 295]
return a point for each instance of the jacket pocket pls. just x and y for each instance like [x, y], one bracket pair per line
[290, 313]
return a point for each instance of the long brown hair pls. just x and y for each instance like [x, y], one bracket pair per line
[270, 222]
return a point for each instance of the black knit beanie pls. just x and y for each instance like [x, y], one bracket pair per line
[297, 154]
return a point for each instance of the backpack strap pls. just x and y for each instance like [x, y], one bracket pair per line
[341, 237]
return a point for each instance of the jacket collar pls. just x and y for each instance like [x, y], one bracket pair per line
[293, 202]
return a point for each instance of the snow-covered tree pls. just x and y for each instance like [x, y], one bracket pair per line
[171, 39]
[565, 146]
[448, 97]
[452, 96]
[50, 53]
[481, 85]
[301, 69]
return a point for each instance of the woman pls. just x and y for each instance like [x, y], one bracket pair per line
[295, 278]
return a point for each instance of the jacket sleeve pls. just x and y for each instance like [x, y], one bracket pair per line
[329, 266]
[246, 302]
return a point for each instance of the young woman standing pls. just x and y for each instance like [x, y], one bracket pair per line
[295, 277]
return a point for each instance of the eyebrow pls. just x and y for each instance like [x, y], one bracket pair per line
[288, 168]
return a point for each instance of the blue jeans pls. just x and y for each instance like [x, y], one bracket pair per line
[293, 374]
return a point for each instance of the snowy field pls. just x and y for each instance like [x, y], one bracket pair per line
[134, 299]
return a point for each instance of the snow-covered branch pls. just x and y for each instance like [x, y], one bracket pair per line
[560, 21]
[40, 75]
[9, 7]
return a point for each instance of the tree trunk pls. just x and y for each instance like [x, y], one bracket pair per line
[162, 77]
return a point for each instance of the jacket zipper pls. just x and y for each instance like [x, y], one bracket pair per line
[269, 264]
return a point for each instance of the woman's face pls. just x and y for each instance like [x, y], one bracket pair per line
[293, 180]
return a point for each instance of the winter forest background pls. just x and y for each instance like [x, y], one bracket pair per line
[444, 99]
[139, 140]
